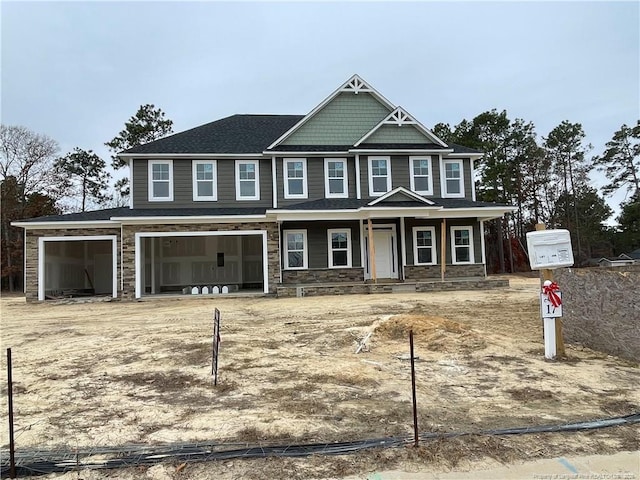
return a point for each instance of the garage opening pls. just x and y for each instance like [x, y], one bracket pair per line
[77, 267]
[201, 264]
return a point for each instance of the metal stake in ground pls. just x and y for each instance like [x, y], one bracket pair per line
[413, 390]
[12, 445]
[216, 346]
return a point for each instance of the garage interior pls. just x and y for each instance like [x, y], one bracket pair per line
[180, 264]
[77, 268]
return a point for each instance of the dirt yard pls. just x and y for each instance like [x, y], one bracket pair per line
[91, 374]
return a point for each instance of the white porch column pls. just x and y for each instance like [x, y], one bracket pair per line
[403, 247]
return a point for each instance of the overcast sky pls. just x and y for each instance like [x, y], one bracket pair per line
[76, 71]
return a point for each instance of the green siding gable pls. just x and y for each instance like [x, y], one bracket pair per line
[343, 121]
[395, 134]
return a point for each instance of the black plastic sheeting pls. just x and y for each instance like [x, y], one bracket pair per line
[41, 462]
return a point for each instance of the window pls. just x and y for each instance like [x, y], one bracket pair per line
[339, 248]
[204, 180]
[379, 176]
[424, 246]
[453, 180]
[421, 179]
[247, 183]
[462, 245]
[335, 178]
[295, 177]
[295, 249]
[160, 180]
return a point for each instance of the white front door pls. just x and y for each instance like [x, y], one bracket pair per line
[385, 254]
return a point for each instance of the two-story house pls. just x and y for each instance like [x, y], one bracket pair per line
[352, 195]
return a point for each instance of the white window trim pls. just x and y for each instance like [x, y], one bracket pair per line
[330, 246]
[369, 161]
[443, 179]
[434, 257]
[305, 253]
[453, 246]
[194, 173]
[150, 181]
[345, 180]
[257, 180]
[285, 175]
[412, 175]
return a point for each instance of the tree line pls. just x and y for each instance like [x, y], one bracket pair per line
[547, 180]
[35, 180]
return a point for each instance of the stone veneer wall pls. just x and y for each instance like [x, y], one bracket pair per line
[128, 247]
[372, 288]
[31, 252]
[601, 308]
[425, 272]
[323, 275]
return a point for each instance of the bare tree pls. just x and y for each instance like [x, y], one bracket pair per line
[26, 176]
[29, 158]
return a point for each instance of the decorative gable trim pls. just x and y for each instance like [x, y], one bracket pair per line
[401, 191]
[400, 117]
[354, 85]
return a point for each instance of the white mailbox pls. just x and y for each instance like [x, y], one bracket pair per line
[549, 249]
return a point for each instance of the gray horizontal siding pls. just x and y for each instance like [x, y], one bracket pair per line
[317, 241]
[183, 186]
[437, 224]
[315, 180]
[400, 174]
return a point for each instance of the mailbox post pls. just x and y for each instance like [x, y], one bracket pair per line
[548, 250]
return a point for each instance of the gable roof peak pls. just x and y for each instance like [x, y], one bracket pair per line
[401, 191]
[400, 117]
[355, 84]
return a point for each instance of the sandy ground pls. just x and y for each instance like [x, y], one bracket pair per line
[91, 374]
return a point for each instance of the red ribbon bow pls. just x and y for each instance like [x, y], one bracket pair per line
[550, 292]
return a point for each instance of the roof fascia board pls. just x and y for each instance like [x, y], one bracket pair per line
[400, 150]
[297, 154]
[465, 155]
[388, 120]
[307, 117]
[190, 155]
[68, 224]
[188, 219]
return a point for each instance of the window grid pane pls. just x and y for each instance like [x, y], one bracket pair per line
[160, 171]
[340, 258]
[424, 255]
[247, 171]
[204, 171]
[247, 188]
[295, 186]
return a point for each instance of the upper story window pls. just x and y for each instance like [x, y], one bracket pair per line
[453, 181]
[295, 177]
[204, 180]
[462, 245]
[335, 178]
[424, 246]
[421, 178]
[295, 249]
[379, 176]
[339, 247]
[160, 180]
[247, 180]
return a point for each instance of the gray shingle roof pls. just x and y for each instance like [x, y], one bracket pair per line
[107, 214]
[235, 134]
[353, 203]
[239, 134]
